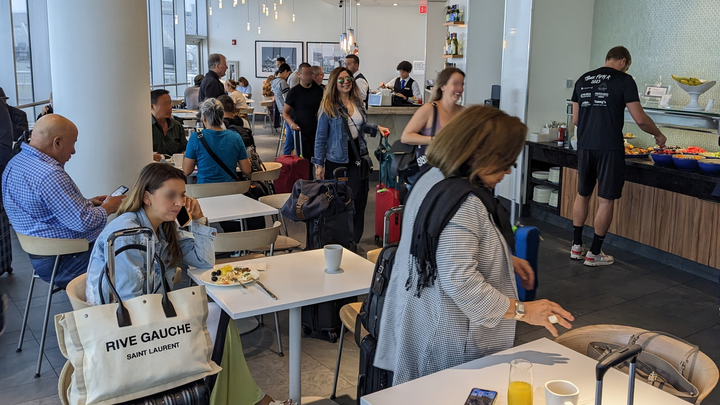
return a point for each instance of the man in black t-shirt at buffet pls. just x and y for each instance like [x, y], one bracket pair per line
[599, 102]
[301, 109]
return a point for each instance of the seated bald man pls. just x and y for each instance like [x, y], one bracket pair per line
[42, 200]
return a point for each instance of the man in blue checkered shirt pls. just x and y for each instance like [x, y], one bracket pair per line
[42, 200]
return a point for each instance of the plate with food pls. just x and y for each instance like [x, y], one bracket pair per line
[229, 276]
[633, 152]
[629, 135]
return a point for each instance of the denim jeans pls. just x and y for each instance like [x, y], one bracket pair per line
[70, 267]
[289, 141]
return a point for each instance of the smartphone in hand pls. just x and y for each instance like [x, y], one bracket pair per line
[183, 217]
[119, 191]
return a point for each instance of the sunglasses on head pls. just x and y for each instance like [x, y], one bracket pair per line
[346, 79]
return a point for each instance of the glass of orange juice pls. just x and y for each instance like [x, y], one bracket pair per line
[520, 391]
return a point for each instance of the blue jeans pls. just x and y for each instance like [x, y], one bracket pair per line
[289, 140]
[70, 267]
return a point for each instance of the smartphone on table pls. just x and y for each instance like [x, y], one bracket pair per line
[119, 191]
[183, 217]
[481, 397]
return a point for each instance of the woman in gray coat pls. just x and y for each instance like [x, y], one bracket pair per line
[452, 296]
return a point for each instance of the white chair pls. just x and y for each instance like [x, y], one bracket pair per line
[46, 247]
[217, 189]
[259, 239]
[76, 292]
[271, 172]
[284, 242]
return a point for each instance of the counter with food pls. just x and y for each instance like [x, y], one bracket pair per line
[663, 206]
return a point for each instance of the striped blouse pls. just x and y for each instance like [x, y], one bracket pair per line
[460, 317]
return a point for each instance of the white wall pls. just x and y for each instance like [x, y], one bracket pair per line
[483, 48]
[386, 35]
[435, 40]
[558, 52]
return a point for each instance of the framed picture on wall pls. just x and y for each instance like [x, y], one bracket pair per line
[233, 71]
[325, 54]
[267, 52]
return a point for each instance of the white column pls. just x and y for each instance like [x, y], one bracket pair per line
[100, 78]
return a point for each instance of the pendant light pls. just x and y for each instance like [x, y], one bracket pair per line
[248, 15]
[293, 10]
[350, 32]
[220, 4]
[234, 3]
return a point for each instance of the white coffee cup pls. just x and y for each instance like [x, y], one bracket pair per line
[333, 257]
[561, 392]
[178, 159]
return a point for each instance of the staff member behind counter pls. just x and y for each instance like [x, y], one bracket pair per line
[404, 86]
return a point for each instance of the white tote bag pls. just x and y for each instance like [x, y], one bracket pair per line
[138, 347]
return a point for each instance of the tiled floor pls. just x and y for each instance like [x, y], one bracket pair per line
[635, 291]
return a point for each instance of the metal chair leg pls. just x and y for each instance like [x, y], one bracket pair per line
[277, 332]
[27, 310]
[261, 321]
[47, 315]
[337, 362]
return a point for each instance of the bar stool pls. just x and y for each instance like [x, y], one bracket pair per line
[46, 247]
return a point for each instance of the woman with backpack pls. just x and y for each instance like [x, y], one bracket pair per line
[340, 140]
[451, 297]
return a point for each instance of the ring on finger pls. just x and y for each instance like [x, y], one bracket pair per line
[553, 319]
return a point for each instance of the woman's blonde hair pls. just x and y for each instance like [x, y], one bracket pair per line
[152, 177]
[483, 139]
[331, 99]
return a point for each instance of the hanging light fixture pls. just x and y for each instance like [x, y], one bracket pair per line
[219, 3]
[248, 15]
[258, 3]
[274, 6]
[293, 10]
[263, 8]
[243, 1]
[281, 2]
[276, 15]
[210, 10]
[234, 3]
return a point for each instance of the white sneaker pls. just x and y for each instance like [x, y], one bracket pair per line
[577, 252]
[598, 260]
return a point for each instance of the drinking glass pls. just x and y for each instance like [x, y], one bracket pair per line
[520, 391]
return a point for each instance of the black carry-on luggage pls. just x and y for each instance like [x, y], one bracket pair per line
[195, 393]
[335, 225]
[324, 319]
[370, 378]
[624, 354]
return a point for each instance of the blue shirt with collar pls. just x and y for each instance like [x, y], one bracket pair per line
[42, 200]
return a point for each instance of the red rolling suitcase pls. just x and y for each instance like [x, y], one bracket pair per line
[385, 199]
[294, 168]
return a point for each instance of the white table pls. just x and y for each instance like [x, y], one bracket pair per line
[232, 207]
[453, 386]
[298, 280]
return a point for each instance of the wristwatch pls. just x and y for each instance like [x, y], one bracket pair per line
[519, 310]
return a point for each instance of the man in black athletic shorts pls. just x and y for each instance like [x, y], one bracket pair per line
[599, 102]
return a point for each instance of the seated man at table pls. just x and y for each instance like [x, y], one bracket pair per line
[42, 200]
[168, 134]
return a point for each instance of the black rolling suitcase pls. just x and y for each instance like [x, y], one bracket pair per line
[336, 224]
[323, 320]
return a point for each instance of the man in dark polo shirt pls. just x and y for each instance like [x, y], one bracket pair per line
[301, 109]
[599, 102]
[211, 87]
[168, 134]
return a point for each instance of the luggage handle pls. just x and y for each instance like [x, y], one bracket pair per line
[340, 174]
[123, 316]
[619, 356]
[388, 214]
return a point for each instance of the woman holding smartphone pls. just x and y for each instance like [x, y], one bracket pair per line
[154, 202]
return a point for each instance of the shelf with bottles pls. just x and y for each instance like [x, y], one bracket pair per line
[453, 48]
[453, 56]
[454, 16]
[460, 24]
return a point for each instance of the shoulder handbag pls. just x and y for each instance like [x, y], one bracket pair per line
[215, 157]
[311, 199]
[363, 162]
[406, 158]
[653, 369]
[139, 347]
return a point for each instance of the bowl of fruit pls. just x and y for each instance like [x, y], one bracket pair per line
[711, 155]
[711, 166]
[694, 87]
[686, 162]
[663, 157]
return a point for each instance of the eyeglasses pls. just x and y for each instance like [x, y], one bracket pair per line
[347, 80]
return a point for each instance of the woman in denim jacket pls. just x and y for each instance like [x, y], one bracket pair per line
[340, 139]
[154, 202]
